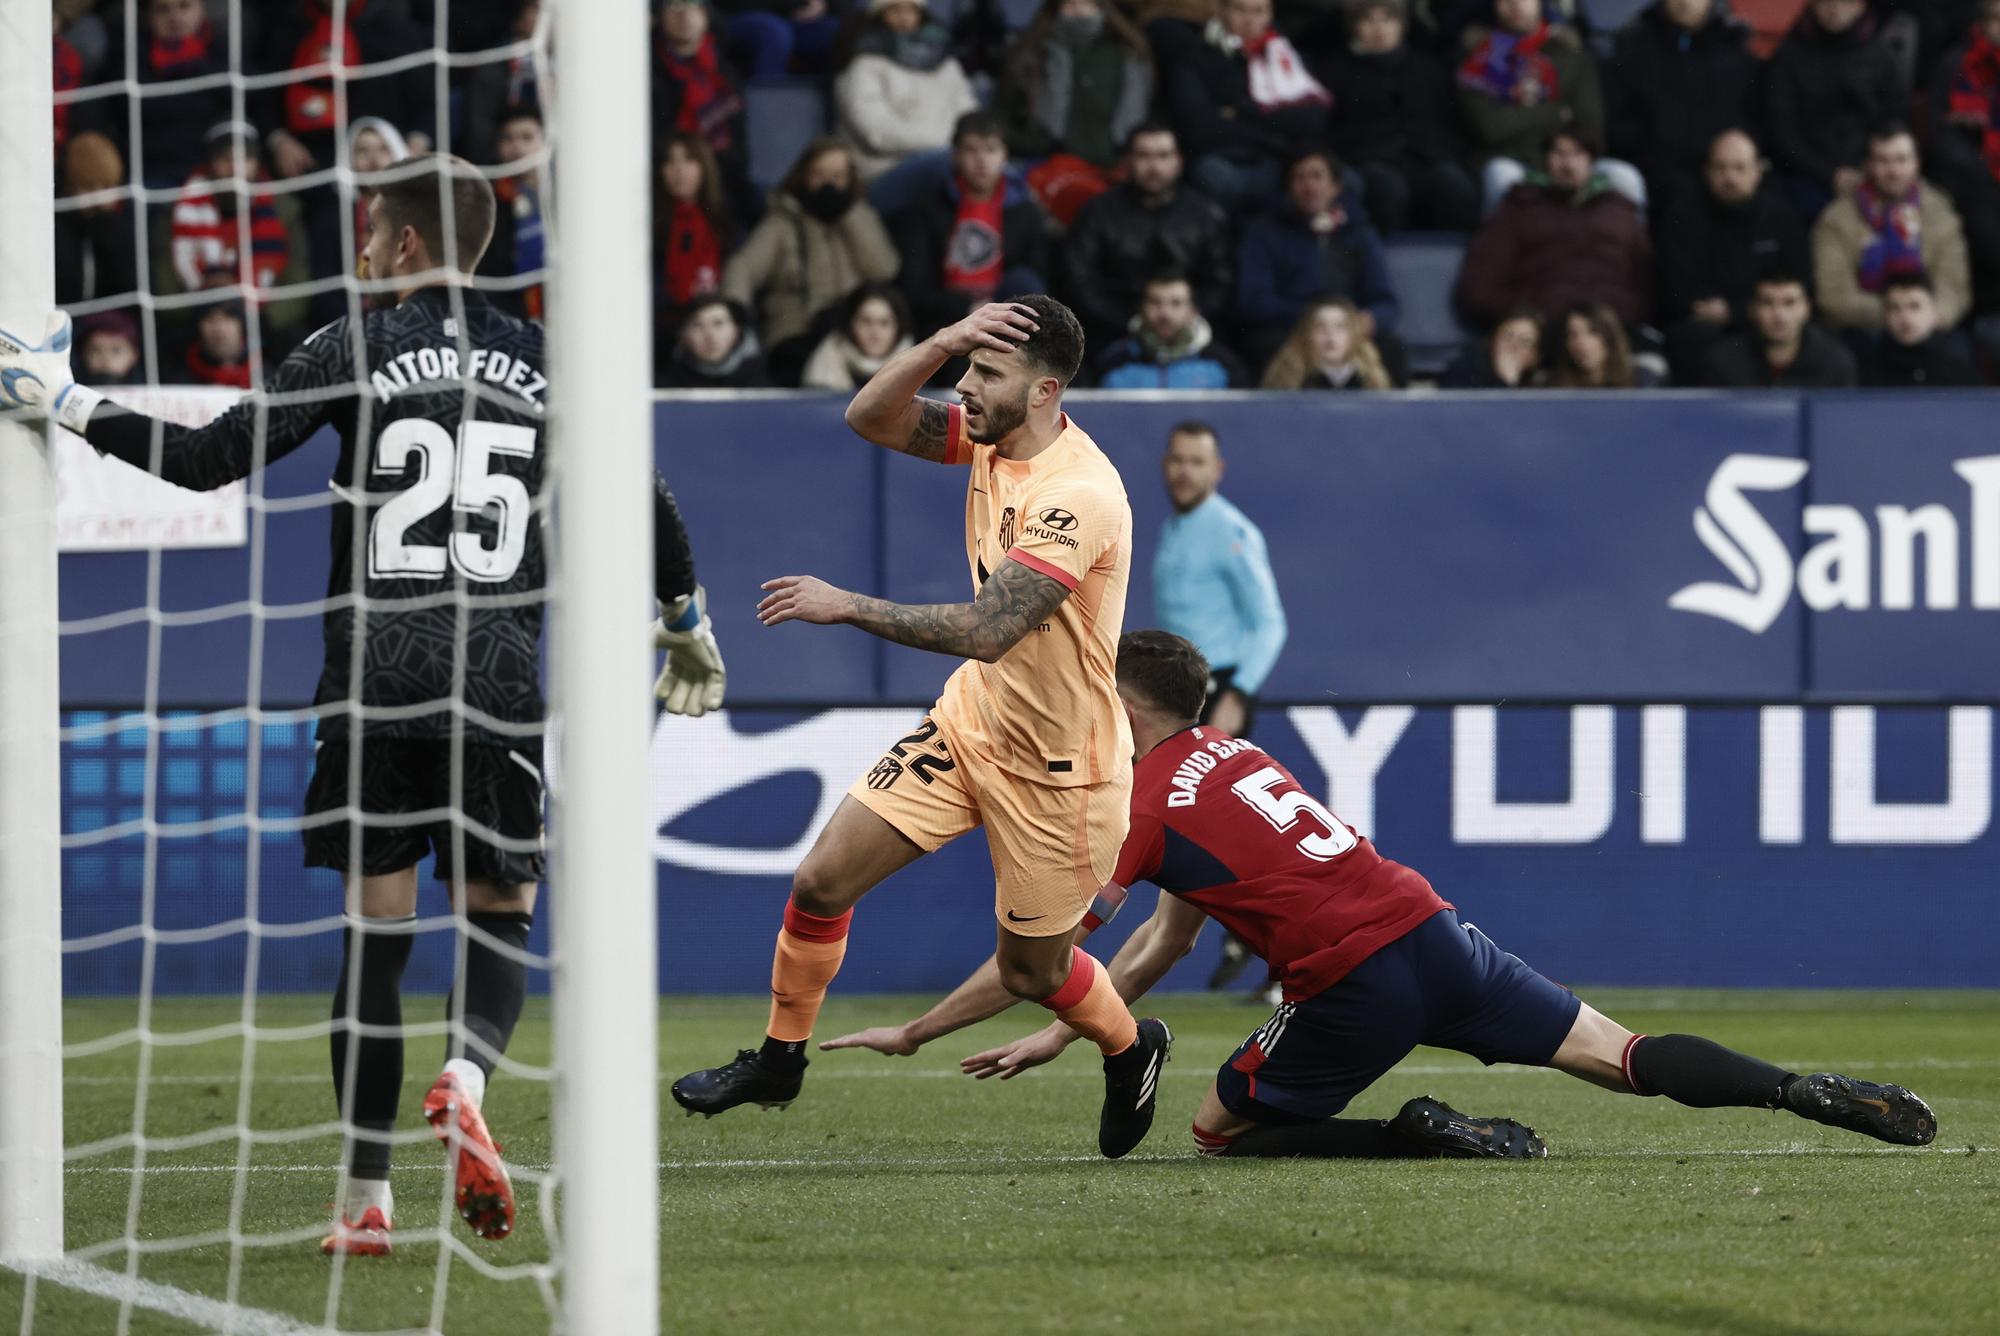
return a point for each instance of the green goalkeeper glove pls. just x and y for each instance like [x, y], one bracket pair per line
[35, 378]
[691, 679]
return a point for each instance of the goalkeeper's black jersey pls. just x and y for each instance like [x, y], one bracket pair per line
[438, 511]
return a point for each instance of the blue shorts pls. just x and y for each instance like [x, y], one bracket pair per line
[1443, 983]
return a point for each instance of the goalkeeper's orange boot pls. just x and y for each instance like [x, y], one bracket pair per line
[366, 1237]
[484, 1194]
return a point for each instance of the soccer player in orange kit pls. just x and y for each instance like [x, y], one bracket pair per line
[1028, 738]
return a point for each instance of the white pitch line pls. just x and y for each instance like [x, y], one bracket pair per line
[998, 1160]
[196, 1309]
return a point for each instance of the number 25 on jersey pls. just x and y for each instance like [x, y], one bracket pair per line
[459, 473]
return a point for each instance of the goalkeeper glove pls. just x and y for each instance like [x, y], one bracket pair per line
[691, 680]
[35, 379]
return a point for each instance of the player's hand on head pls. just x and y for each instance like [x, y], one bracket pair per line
[35, 378]
[801, 598]
[997, 325]
[692, 677]
[890, 1039]
[1010, 1060]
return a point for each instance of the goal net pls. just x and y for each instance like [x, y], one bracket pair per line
[214, 167]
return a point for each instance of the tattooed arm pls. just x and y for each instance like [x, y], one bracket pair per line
[1012, 603]
[887, 410]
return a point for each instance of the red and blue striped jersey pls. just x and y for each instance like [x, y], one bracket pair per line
[1218, 822]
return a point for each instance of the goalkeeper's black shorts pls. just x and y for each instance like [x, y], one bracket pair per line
[404, 791]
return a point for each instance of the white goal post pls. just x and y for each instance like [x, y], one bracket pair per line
[31, 1159]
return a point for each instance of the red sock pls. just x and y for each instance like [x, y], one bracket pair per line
[1089, 1004]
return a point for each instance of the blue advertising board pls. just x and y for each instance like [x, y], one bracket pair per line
[1659, 689]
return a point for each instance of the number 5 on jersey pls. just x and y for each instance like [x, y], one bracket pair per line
[461, 474]
[1283, 810]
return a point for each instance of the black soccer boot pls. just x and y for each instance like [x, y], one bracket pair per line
[1438, 1127]
[1885, 1112]
[747, 1080]
[1132, 1089]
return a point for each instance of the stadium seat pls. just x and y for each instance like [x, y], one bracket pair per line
[779, 120]
[1424, 267]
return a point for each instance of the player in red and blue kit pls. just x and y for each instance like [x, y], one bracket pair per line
[1372, 963]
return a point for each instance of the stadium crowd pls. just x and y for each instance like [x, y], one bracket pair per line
[1798, 193]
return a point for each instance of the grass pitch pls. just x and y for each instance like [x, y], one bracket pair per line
[897, 1196]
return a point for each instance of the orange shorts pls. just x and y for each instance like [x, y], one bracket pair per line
[1053, 848]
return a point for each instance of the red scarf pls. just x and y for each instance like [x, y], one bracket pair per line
[165, 58]
[1975, 91]
[1278, 75]
[708, 103]
[973, 255]
[206, 372]
[1895, 236]
[309, 106]
[1504, 62]
[68, 75]
[694, 254]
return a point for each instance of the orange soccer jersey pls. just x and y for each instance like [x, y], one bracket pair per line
[1048, 710]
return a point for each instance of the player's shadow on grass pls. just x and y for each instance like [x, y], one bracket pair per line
[1639, 1310]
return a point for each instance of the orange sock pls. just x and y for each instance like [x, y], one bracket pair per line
[810, 949]
[1089, 1004]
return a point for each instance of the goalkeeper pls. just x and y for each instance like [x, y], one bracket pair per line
[429, 708]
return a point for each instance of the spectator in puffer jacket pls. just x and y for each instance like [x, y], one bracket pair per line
[1521, 81]
[1782, 349]
[1392, 121]
[176, 41]
[1241, 99]
[1715, 244]
[1680, 75]
[1078, 80]
[207, 219]
[818, 241]
[1310, 249]
[1893, 223]
[1830, 84]
[1915, 352]
[902, 89]
[1561, 237]
[1171, 347]
[978, 236]
[1329, 349]
[1153, 220]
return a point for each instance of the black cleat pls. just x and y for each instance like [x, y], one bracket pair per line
[1438, 1127]
[1885, 1112]
[747, 1080]
[1132, 1089]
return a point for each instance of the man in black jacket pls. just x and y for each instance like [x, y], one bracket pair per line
[972, 238]
[1912, 352]
[1831, 83]
[1782, 349]
[1680, 74]
[1713, 245]
[1392, 122]
[1154, 221]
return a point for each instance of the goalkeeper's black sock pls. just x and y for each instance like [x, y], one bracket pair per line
[370, 993]
[496, 984]
[1329, 1139]
[1702, 1074]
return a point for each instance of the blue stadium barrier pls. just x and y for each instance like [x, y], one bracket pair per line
[1507, 612]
